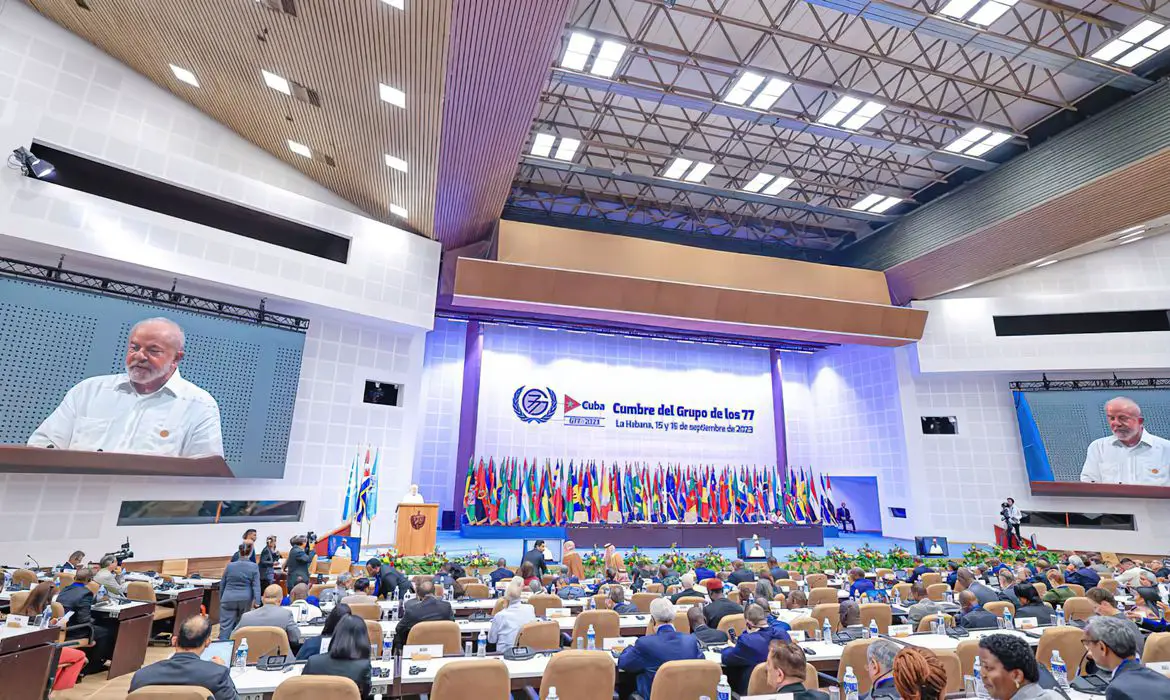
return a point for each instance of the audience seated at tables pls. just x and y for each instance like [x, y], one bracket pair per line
[502, 572]
[77, 599]
[297, 566]
[922, 605]
[271, 614]
[535, 587]
[299, 597]
[702, 573]
[1129, 573]
[1096, 564]
[507, 623]
[1007, 582]
[919, 674]
[1149, 611]
[1009, 669]
[879, 663]
[1076, 572]
[982, 593]
[387, 580]
[348, 655]
[919, 569]
[186, 668]
[973, 615]
[952, 574]
[1105, 605]
[361, 593]
[618, 603]
[719, 606]
[443, 576]
[1163, 572]
[269, 558]
[787, 666]
[751, 648]
[72, 661]
[73, 563]
[699, 628]
[739, 574]
[667, 577]
[610, 579]
[239, 590]
[859, 583]
[340, 589]
[250, 540]
[648, 653]
[424, 608]
[688, 587]
[109, 577]
[849, 613]
[1111, 645]
[1058, 592]
[796, 600]
[1030, 605]
[778, 572]
[312, 645]
[569, 588]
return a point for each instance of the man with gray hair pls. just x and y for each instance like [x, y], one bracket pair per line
[150, 409]
[1112, 647]
[879, 662]
[340, 589]
[617, 599]
[1076, 572]
[507, 623]
[648, 653]
[1131, 455]
[1007, 581]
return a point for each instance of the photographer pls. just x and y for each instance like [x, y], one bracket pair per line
[1011, 515]
[297, 566]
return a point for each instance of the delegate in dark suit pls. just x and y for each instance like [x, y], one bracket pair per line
[846, 519]
[918, 571]
[297, 566]
[186, 668]
[750, 649]
[977, 618]
[357, 670]
[799, 692]
[984, 594]
[717, 610]
[391, 579]
[420, 610]
[1132, 681]
[269, 558]
[537, 558]
[650, 652]
[707, 635]
[78, 600]
[239, 589]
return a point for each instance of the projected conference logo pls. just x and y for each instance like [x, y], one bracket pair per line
[535, 405]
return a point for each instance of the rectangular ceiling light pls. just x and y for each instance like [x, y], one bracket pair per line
[699, 172]
[396, 163]
[276, 82]
[185, 75]
[990, 11]
[1142, 31]
[771, 92]
[958, 8]
[400, 4]
[1136, 44]
[840, 110]
[300, 149]
[577, 52]
[542, 145]
[607, 59]
[875, 203]
[977, 141]
[777, 185]
[566, 149]
[757, 183]
[1136, 56]
[677, 168]
[398, 211]
[394, 96]
[861, 117]
[996, 138]
[885, 204]
[744, 88]
[967, 140]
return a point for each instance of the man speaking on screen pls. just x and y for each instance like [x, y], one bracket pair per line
[150, 409]
[1132, 455]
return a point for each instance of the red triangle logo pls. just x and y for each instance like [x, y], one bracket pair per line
[570, 403]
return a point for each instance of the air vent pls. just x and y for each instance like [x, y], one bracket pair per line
[329, 160]
[288, 7]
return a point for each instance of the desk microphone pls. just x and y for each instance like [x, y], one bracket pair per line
[36, 563]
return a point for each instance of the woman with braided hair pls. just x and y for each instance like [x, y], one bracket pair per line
[919, 675]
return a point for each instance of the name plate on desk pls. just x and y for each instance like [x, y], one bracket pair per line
[17, 621]
[557, 612]
[422, 652]
[797, 635]
[1026, 623]
[611, 643]
[901, 630]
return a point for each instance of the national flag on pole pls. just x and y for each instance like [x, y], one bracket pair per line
[363, 496]
[349, 507]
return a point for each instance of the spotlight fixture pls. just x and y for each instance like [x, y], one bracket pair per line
[32, 166]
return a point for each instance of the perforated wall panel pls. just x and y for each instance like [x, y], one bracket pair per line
[53, 337]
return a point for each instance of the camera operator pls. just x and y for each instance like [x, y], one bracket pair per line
[1011, 515]
[297, 564]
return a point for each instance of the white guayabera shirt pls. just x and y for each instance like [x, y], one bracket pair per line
[106, 413]
[1147, 463]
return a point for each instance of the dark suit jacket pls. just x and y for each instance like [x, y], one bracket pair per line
[1084, 577]
[1041, 612]
[240, 583]
[390, 579]
[357, 670]
[537, 558]
[984, 594]
[78, 600]
[799, 692]
[708, 635]
[740, 576]
[843, 514]
[715, 611]
[420, 610]
[750, 649]
[186, 668]
[1136, 682]
[252, 558]
[978, 618]
[778, 573]
[648, 654]
[918, 571]
[268, 559]
[297, 566]
[501, 574]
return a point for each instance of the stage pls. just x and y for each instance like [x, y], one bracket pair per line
[660, 535]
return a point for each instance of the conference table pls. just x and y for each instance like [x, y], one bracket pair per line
[27, 659]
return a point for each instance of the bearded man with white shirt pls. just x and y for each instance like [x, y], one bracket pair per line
[150, 409]
[1132, 455]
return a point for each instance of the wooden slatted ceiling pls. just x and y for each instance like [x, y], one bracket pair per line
[499, 60]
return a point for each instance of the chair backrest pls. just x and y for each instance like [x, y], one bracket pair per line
[445, 632]
[903, 590]
[174, 567]
[540, 636]
[816, 580]
[541, 602]
[997, 607]
[1157, 648]
[805, 624]
[1042, 588]
[18, 600]
[1106, 583]
[643, 600]
[548, 579]
[671, 590]
[317, 688]
[93, 587]
[692, 600]
[1076, 588]
[1078, 608]
[579, 675]
[683, 679]
[733, 596]
[58, 609]
[601, 601]
[614, 517]
[925, 623]
[758, 682]
[464, 580]
[316, 588]
[141, 591]
[171, 692]
[1066, 640]
[366, 611]
[340, 565]
[950, 661]
[967, 650]
[824, 594]
[580, 517]
[477, 591]
[374, 632]
[501, 603]
[473, 678]
[655, 588]
[832, 611]
[937, 591]
[750, 585]
[930, 578]
[879, 612]
[854, 655]
[736, 622]
[786, 582]
[606, 625]
[261, 640]
[419, 578]
[882, 572]
[68, 576]
[24, 578]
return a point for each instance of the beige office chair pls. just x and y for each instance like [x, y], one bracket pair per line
[317, 688]
[606, 625]
[501, 603]
[1157, 648]
[967, 650]
[854, 655]
[681, 624]
[484, 679]
[477, 591]
[805, 624]
[930, 578]
[445, 632]
[643, 600]
[735, 622]
[879, 612]
[997, 607]
[1066, 640]
[683, 679]
[24, 578]
[937, 591]
[374, 632]
[339, 565]
[144, 592]
[541, 602]
[261, 640]
[1076, 588]
[816, 580]
[950, 661]
[579, 675]
[924, 625]
[366, 611]
[655, 588]
[692, 600]
[824, 594]
[173, 567]
[830, 611]
[758, 682]
[172, 692]
[1078, 609]
[540, 636]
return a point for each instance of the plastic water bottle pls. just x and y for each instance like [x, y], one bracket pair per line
[827, 631]
[387, 646]
[481, 644]
[940, 624]
[46, 616]
[242, 655]
[723, 690]
[467, 648]
[1060, 617]
[552, 693]
[980, 689]
[897, 597]
[1009, 620]
[1059, 670]
[590, 639]
[873, 631]
[849, 687]
[580, 643]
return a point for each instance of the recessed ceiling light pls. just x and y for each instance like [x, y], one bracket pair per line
[699, 172]
[995, 139]
[400, 4]
[1046, 263]
[867, 111]
[577, 52]
[1135, 45]
[185, 75]
[866, 202]
[958, 8]
[607, 59]
[677, 168]
[566, 149]
[1142, 31]
[394, 96]
[688, 170]
[396, 163]
[757, 183]
[542, 145]
[777, 185]
[300, 149]
[884, 205]
[841, 109]
[398, 211]
[1131, 240]
[276, 82]
[875, 203]
[990, 11]
[1136, 56]
[771, 92]
[744, 88]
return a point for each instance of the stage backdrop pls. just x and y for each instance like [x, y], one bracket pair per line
[563, 395]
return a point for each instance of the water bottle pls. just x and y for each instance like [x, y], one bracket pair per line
[897, 597]
[387, 646]
[849, 687]
[46, 616]
[467, 648]
[242, 654]
[481, 644]
[940, 624]
[1059, 670]
[723, 690]
[590, 639]
[552, 693]
[1009, 620]
[873, 630]
[980, 689]
[827, 631]
[580, 643]
[1060, 617]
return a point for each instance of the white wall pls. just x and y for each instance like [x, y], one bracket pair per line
[368, 317]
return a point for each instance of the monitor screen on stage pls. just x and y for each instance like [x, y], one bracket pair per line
[754, 549]
[932, 547]
[1108, 437]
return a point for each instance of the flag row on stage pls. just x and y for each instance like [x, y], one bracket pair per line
[522, 492]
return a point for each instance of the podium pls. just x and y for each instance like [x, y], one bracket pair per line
[20, 459]
[417, 525]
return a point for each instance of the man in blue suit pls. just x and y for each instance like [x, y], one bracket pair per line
[919, 569]
[1112, 646]
[1076, 572]
[702, 573]
[751, 648]
[648, 654]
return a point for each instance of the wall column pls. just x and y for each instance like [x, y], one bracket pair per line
[468, 412]
[778, 410]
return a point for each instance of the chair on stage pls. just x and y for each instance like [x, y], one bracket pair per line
[643, 600]
[829, 611]
[758, 682]
[821, 595]
[937, 592]
[606, 625]
[540, 636]
[479, 678]
[684, 679]
[816, 580]
[879, 612]
[997, 607]
[317, 688]
[579, 675]
[924, 625]
[854, 655]
[736, 622]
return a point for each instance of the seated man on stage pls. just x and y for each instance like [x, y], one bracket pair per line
[845, 518]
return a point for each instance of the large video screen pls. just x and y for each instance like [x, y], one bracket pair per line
[90, 372]
[1098, 436]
